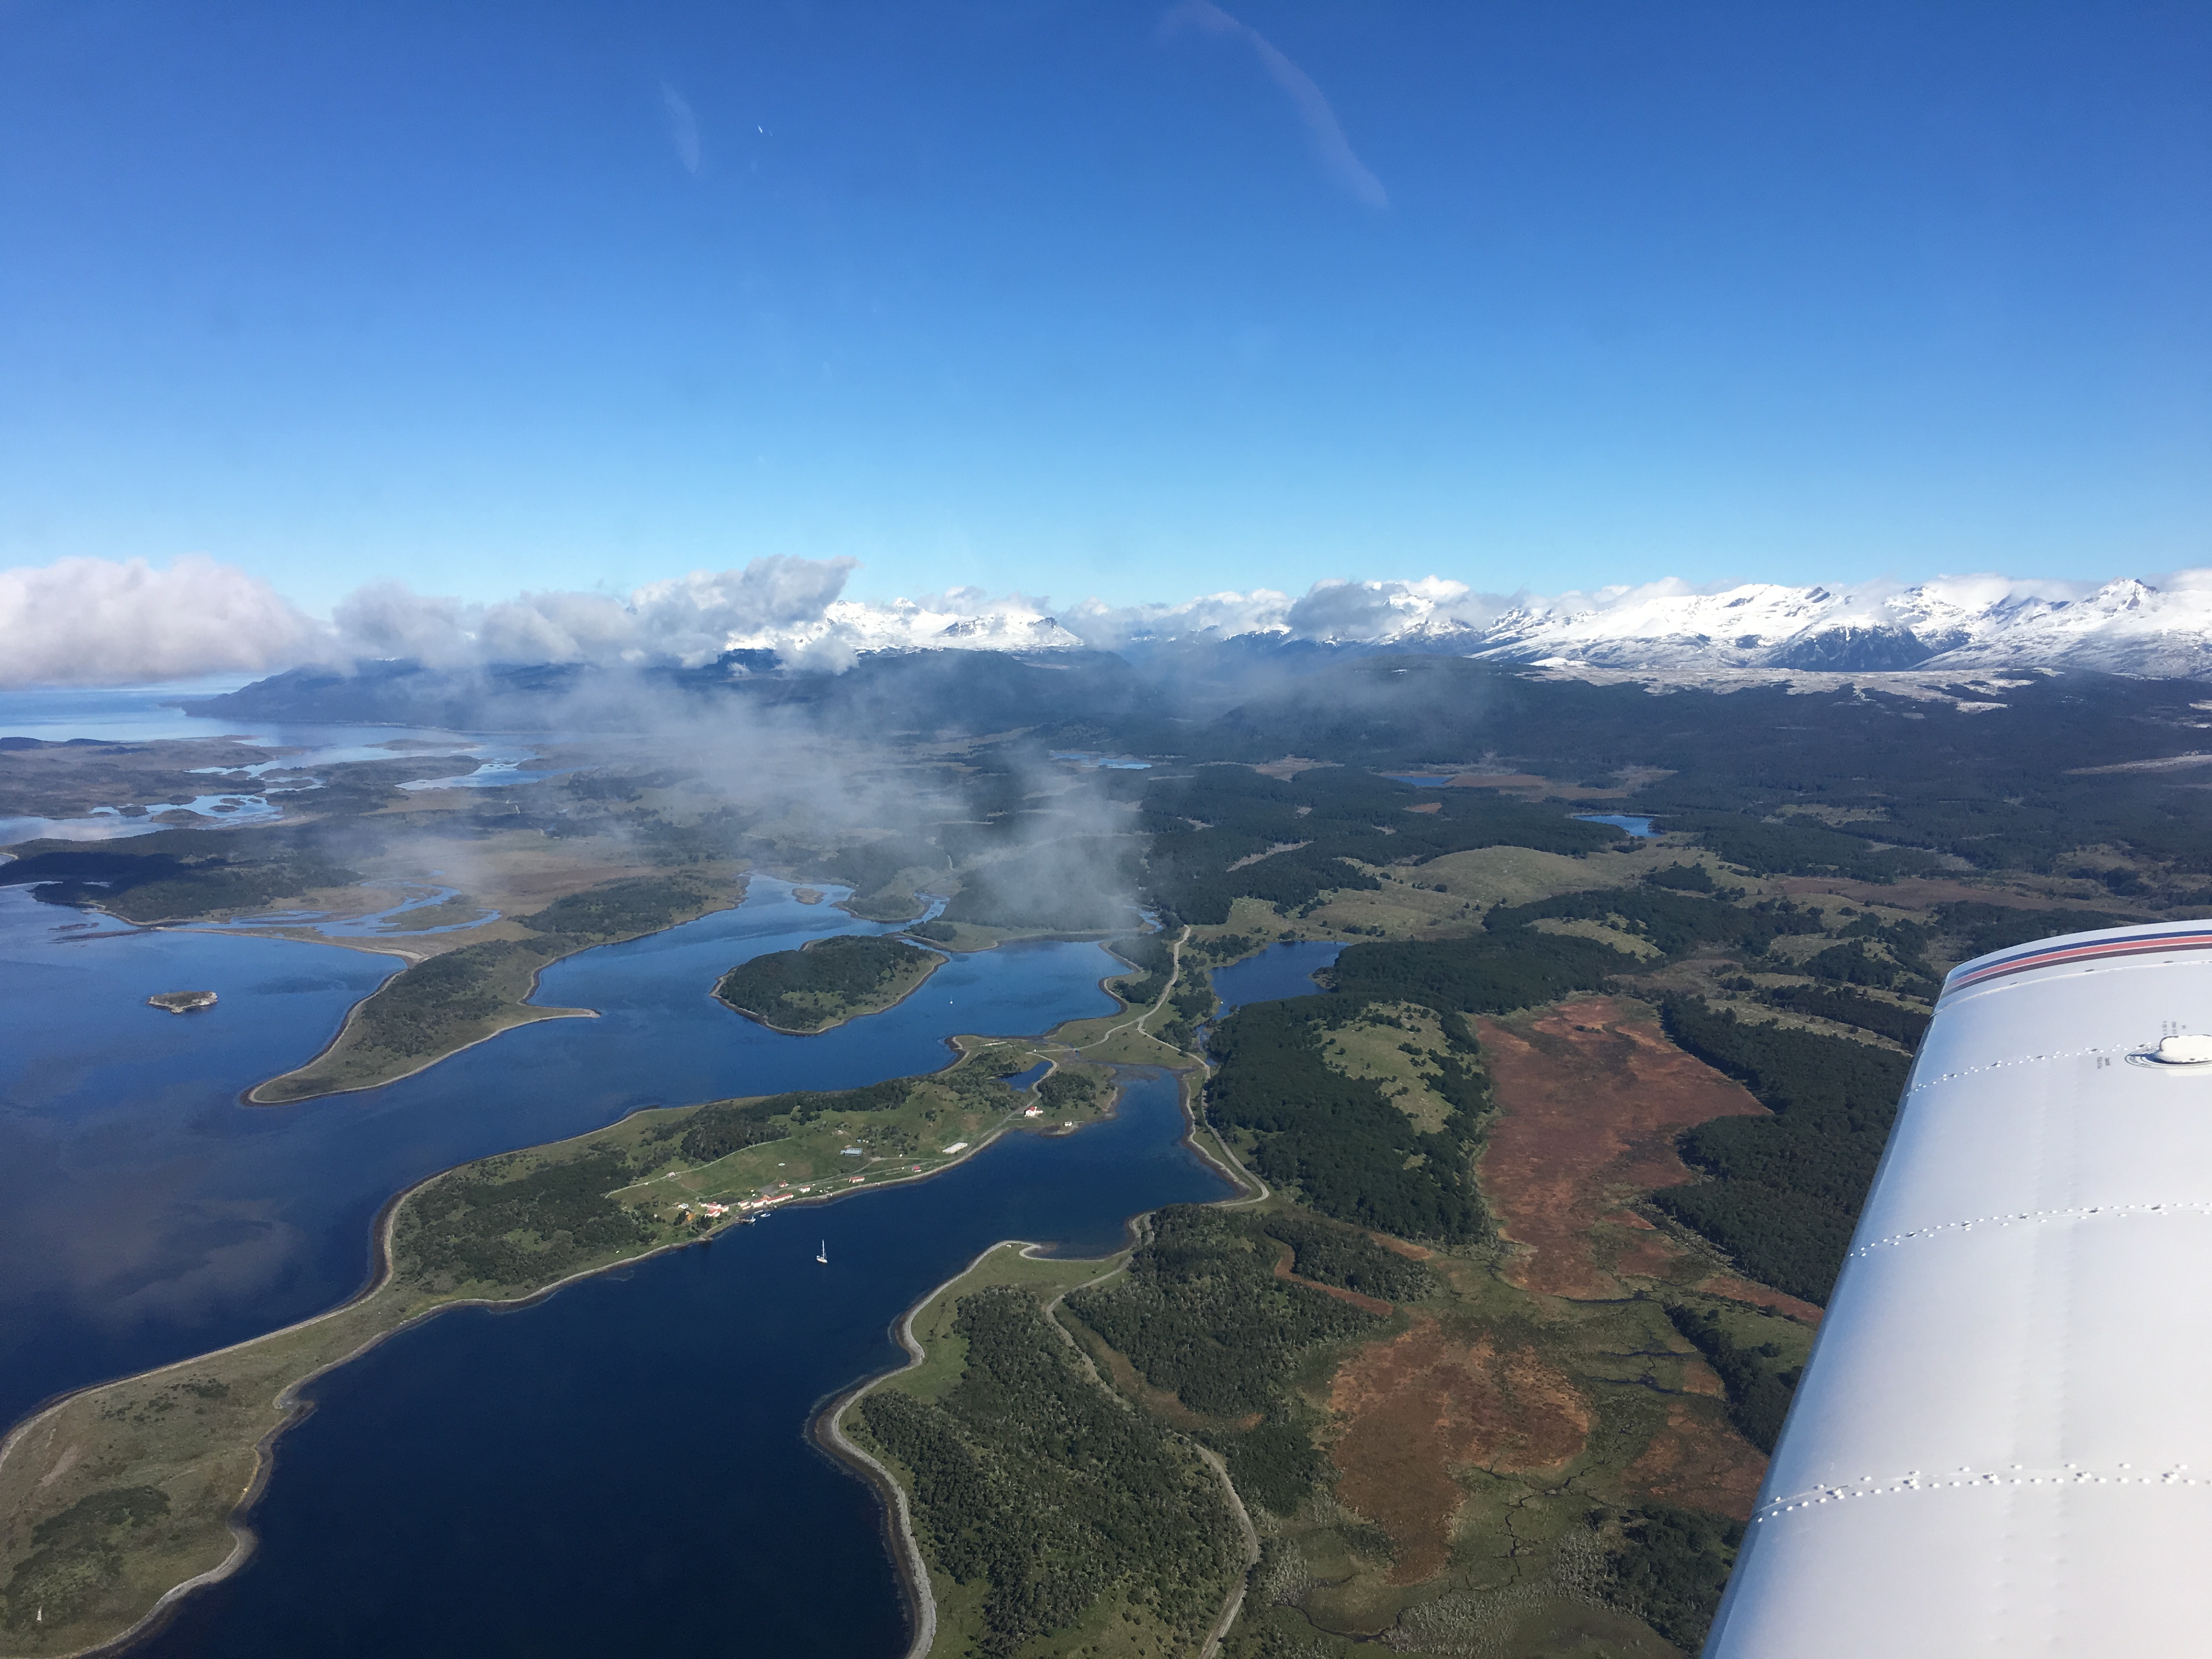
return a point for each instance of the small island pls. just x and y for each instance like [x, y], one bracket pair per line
[826, 982]
[181, 1002]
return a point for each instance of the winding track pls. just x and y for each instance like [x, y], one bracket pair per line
[830, 1424]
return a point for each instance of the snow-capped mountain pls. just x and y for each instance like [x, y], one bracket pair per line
[2161, 628]
[792, 612]
[848, 628]
[792, 615]
[2124, 627]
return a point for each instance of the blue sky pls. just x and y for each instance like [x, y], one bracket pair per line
[1093, 299]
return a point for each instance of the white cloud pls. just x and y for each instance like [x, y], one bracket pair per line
[687, 621]
[1331, 609]
[101, 621]
[1211, 616]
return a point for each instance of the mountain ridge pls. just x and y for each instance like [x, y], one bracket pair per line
[2128, 626]
[2160, 629]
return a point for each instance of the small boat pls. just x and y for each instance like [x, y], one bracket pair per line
[822, 1255]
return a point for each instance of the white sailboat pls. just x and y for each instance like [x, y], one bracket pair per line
[822, 1255]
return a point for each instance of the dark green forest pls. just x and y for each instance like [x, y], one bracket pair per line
[1201, 1314]
[615, 909]
[1674, 923]
[1312, 833]
[1759, 1380]
[425, 1008]
[1483, 974]
[484, 1229]
[1672, 1567]
[1785, 1190]
[731, 1126]
[1340, 1141]
[1329, 1254]
[178, 873]
[1032, 1481]
[848, 966]
[1893, 1020]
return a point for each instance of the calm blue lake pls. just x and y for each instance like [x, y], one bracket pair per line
[146, 1215]
[623, 1467]
[1280, 970]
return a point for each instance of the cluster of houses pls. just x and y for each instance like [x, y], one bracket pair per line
[742, 1206]
[770, 1199]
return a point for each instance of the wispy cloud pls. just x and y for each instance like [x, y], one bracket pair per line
[1330, 145]
[682, 127]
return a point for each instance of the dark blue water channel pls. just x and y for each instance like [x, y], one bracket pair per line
[621, 1469]
[146, 1215]
[1280, 970]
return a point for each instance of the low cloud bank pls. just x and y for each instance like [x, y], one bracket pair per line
[98, 621]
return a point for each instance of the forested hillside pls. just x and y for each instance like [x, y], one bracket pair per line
[828, 981]
[1785, 1189]
[1036, 1486]
[1227, 832]
[1346, 1147]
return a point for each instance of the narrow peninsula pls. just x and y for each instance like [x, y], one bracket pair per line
[434, 1008]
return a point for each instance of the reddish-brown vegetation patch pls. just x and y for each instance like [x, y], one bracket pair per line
[1646, 1255]
[1591, 1098]
[1421, 1405]
[1913, 893]
[1500, 781]
[1427, 806]
[1699, 1462]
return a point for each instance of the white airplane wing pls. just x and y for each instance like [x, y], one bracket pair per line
[2003, 1444]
